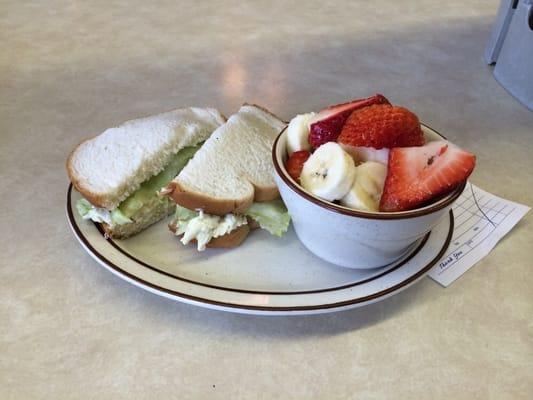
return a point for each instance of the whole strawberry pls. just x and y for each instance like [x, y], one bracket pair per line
[382, 126]
[327, 124]
[295, 163]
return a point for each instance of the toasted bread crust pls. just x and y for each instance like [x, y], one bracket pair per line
[211, 205]
[252, 223]
[231, 239]
[265, 194]
[194, 201]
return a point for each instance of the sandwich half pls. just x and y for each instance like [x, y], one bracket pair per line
[228, 187]
[120, 171]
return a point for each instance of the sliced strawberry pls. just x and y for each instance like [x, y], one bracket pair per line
[327, 124]
[382, 126]
[420, 174]
[295, 163]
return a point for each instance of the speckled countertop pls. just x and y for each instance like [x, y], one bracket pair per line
[69, 329]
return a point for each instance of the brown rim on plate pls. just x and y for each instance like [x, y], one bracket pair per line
[169, 292]
[392, 266]
[418, 212]
[413, 252]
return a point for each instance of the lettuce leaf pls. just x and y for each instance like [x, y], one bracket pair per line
[271, 215]
[184, 214]
[148, 191]
[88, 211]
[118, 218]
[83, 207]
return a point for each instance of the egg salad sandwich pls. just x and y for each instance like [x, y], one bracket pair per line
[228, 187]
[120, 171]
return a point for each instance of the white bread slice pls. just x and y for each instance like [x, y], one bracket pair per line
[234, 166]
[109, 167]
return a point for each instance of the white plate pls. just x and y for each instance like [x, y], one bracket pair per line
[265, 275]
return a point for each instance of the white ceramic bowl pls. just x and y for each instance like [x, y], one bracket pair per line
[351, 238]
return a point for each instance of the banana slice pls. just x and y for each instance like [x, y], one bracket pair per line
[298, 133]
[329, 172]
[367, 187]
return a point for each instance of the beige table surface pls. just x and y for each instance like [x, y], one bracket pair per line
[70, 329]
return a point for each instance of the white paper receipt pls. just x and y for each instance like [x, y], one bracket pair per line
[481, 220]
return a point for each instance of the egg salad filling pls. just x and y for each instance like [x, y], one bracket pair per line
[271, 215]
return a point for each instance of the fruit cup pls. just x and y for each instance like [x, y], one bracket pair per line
[352, 238]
